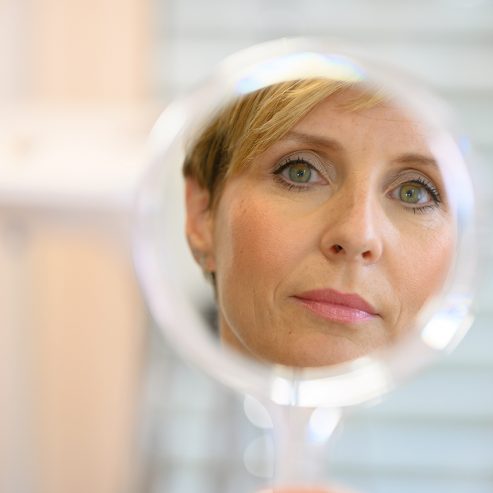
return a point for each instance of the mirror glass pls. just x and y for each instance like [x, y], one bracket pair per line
[305, 218]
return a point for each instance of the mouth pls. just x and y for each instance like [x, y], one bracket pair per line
[337, 307]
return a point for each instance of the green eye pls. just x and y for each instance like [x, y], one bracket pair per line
[412, 193]
[417, 195]
[299, 173]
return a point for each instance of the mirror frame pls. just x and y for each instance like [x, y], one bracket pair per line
[443, 321]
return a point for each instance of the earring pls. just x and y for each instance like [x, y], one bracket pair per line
[201, 258]
[208, 273]
[203, 262]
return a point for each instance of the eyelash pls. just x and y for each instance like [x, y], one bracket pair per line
[298, 187]
[430, 189]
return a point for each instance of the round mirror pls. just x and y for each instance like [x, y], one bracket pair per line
[305, 229]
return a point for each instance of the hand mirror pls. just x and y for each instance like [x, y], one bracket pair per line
[322, 203]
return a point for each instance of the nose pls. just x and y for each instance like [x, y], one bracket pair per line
[353, 228]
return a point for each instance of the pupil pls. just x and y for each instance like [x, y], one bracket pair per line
[300, 173]
[410, 194]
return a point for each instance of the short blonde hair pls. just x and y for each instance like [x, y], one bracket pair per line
[251, 124]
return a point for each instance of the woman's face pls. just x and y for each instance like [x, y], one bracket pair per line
[331, 241]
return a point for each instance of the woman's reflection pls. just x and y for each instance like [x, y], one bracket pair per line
[320, 213]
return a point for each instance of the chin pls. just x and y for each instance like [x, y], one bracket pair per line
[316, 353]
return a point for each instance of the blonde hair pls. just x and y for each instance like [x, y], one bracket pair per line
[252, 123]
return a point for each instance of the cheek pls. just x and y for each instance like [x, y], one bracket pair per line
[425, 265]
[251, 241]
[252, 259]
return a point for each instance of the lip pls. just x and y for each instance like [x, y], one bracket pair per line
[336, 306]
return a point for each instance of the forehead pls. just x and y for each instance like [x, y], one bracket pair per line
[337, 116]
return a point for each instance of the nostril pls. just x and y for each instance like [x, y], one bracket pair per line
[337, 248]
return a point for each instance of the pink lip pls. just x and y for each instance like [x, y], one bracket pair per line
[338, 307]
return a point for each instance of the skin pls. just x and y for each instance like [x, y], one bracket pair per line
[348, 229]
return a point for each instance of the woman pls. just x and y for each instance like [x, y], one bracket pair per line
[319, 211]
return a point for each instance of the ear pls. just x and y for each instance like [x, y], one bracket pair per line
[199, 224]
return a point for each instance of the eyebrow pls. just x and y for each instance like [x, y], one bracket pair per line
[406, 158]
[314, 140]
[413, 158]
